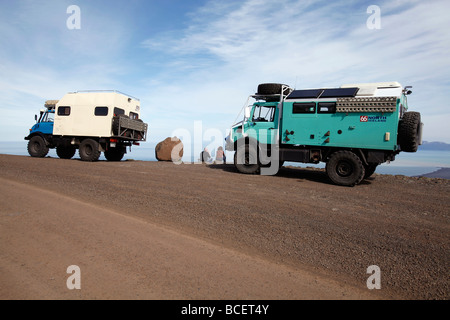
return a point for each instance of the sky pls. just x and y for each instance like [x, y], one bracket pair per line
[196, 62]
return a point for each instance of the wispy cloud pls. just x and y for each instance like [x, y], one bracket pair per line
[307, 44]
[205, 64]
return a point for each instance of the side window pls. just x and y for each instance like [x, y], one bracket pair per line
[134, 115]
[63, 111]
[299, 108]
[118, 111]
[327, 107]
[101, 111]
[263, 114]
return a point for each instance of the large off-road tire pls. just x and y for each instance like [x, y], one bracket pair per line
[271, 88]
[246, 159]
[89, 150]
[114, 154]
[115, 123]
[37, 147]
[65, 152]
[409, 132]
[370, 170]
[345, 168]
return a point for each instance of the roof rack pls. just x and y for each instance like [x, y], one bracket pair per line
[267, 97]
[113, 91]
[285, 92]
[51, 104]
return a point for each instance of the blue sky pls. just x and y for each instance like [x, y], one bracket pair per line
[193, 61]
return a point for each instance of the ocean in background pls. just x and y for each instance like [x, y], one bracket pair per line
[408, 164]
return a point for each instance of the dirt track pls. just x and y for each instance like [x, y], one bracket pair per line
[153, 230]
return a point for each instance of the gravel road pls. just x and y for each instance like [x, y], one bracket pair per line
[155, 230]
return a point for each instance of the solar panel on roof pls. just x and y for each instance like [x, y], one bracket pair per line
[303, 94]
[339, 93]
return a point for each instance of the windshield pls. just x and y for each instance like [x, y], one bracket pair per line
[263, 113]
[48, 117]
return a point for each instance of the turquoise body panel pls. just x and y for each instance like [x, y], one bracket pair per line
[365, 130]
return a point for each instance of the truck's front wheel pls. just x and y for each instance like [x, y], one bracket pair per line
[345, 168]
[89, 150]
[246, 159]
[37, 147]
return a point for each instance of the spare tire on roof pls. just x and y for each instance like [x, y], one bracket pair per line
[272, 88]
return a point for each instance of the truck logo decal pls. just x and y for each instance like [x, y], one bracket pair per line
[373, 119]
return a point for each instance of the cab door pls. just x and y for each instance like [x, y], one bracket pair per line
[263, 123]
[45, 125]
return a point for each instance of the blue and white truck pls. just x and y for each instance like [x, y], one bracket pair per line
[352, 128]
[90, 121]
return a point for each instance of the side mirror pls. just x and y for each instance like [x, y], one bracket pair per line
[35, 117]
[406, 91]
[248, 111]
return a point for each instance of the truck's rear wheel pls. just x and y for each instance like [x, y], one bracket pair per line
[246, 159]
[37, 147]
[89, 150]
[114, 154]
[345, 168]
[409, 132]
[65, 152]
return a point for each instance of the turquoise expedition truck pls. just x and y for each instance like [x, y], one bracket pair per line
[353, 129]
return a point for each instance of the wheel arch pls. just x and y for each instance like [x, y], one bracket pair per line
[247, 140]
[34, 134]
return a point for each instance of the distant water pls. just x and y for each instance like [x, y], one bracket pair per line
[144, 152]
[408, 164]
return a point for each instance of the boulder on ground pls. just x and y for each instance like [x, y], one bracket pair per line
[164, 150]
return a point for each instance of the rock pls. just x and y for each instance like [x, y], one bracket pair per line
[163, 150]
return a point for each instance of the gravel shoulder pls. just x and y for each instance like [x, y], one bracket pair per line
[194, 231]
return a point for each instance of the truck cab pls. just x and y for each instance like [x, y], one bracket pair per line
[263, 121]
[353, 129]
[45, 121]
